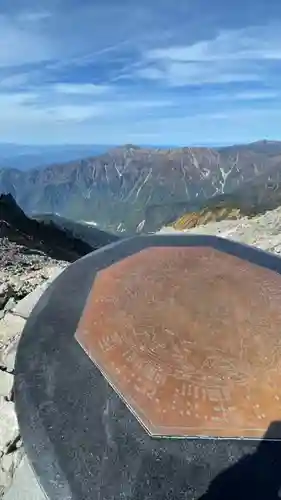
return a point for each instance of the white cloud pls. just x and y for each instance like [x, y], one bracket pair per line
[180, 74]
[151, 73]
[81, 89]
[258, 95]
[17, 98]
[20, 45]
[34, 17]
[41, 36]
[138, 77]
[142, 104]
[23, 109]
[236, 125]
[232, 115]
[254, 95]
[103, 109]
[77, 113]
[248, 43]
[40, 109]
[15, 80]
[231, 56]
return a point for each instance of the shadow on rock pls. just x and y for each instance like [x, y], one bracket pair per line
[256, 476]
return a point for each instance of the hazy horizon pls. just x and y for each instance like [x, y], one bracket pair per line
[106, 146]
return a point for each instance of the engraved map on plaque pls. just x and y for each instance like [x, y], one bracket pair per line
[190, 339]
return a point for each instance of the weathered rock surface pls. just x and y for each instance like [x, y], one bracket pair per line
[6, 385]
[262, 231]
[11, 326]
[24, 274]
[25, 486]
[31, 256]
[9, 357]
[24, 307]
[9, 425]
[5, 294]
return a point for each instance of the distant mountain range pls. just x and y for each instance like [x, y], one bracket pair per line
[25, 157]
[133, 189]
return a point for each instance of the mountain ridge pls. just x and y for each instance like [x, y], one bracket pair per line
[20, 229]
[131, 189]
[57, 237]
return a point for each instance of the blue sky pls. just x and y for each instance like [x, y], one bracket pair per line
[170, 72]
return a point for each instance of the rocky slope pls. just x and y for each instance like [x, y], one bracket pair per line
[262, 231]
[20, 279]
[206, 215]
[20, 275]
[38, 236]
[32, 254]
[130, 187]
[253, 197]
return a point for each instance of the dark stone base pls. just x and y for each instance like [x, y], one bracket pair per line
[82, 440]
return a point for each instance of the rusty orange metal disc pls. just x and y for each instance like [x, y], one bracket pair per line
[190, 338]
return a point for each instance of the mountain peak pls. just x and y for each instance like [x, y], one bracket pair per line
[130, 146]
[265, 141]
[9, 206]
[127, 148]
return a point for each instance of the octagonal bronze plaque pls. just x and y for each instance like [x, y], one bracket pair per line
[190, 338]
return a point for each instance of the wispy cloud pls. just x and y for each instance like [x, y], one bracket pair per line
[33, 16]
[88, 89]
[230, 56]
[180, 74]
[76, 113]
[21, 44]
[251, 43]
[171, 73]
[249, 96]
[14, 81]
